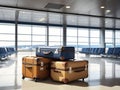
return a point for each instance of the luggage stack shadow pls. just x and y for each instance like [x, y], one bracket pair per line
[72, 83]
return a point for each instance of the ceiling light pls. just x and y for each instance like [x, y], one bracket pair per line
[67, 6]
[23, 11]
[108, 11]
[106, 22]
[102, 7]
[42, 19]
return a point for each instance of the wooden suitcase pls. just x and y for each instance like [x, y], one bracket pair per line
[35, 67]
[66, 71]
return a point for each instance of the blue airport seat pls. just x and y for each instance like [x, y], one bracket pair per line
[93, 50]
[96, 51]
[116, 51]
[6, 51]
[3, 52]
[85, 50]
[110, 51]
[101, 51]
[82, 50]
[10, 50]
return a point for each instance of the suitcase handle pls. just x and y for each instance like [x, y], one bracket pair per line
[28, 66]
[57, 71]
[79, 70]
[46, 52]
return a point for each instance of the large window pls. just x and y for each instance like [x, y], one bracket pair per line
[71, 19]
[7, 35]
[39, 36]
[30, 36]
[45, 28]
[94, 38]
[72, 36]
[83, 20]
[83, 37]
[109, 22]
[95, 22]
[117, 38]
[117, 23]
[55, 18]
[109, 38]
[55, 36]
[24, 37]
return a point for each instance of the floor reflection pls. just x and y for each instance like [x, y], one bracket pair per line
[104, 71]
[9, 77]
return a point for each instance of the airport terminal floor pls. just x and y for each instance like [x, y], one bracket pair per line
[104, 74]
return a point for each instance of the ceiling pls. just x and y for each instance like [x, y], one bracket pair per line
[36, 14]
[91, 7]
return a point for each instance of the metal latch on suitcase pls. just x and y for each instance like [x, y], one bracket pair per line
[42, 63]
[70, 69]
[28, 66]
[86, 67]
[41, 68]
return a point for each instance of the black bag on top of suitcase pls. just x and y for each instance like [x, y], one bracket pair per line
[62, 53]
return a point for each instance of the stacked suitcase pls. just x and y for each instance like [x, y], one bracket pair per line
[35, 67]
[56, 63]
[66, 71]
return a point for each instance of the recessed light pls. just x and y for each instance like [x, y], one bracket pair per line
[42, 19]
[67, 6]
[102, 7]
[107, 11]
[23, 12]
[106, 22]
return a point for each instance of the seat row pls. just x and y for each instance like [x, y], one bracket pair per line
[113, 51]
[6, 51]
[98, 51]
[95, 51]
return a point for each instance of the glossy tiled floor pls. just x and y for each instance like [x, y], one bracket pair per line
[104, 74]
